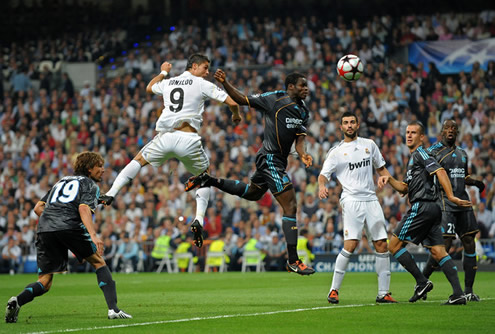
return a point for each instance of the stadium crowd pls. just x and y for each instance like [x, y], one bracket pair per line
[45, 122]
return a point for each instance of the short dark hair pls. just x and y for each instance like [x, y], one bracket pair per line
[420, 125]
[447, 121]
[196, 58]
[85, 161]
[349, 114]
[292, 78]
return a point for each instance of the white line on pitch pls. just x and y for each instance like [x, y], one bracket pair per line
[225, 316]
[200, 318]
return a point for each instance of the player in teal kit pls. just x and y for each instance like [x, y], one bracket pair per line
[286, 118]
[421, 224]
[66, 223]
[455, 219]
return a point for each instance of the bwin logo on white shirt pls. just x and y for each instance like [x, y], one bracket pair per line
[364, 163]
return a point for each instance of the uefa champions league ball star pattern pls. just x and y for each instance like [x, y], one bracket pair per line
[350, 68]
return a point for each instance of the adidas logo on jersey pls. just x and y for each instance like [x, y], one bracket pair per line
[364, 163]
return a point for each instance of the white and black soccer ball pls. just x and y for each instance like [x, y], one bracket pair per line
[350, 68]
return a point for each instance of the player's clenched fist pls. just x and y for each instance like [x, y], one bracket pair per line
[323, 192]
[307, 160]
[219, 75]
[236, 118]
[166, 66]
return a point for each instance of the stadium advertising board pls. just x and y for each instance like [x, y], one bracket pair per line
[362, 263]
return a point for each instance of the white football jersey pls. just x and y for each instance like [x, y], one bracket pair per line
[183, 99]
[353, 162]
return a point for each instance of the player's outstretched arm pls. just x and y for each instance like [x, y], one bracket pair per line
[165, 69]
[234, 108]
[39, 208]
[322, 188]
[472, 182]
[87, 219]
[301, 151]
[443, 178]
[383, 171]
[397, 185]
[233, 92]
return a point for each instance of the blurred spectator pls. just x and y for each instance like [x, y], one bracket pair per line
[11, 257]
[68, 86]
[126, 257]
[213, 224]
[109, 251]
[20, 81]
[237, 214]
[161, 248]
[276, 254]
[485, 219]
[331, 241]
[146, 66]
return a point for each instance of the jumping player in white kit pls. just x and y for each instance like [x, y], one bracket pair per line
[353, 160]
[177, 127]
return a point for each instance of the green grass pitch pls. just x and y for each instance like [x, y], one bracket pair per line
[248, 303]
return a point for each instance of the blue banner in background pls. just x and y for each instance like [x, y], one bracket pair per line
[453, 56]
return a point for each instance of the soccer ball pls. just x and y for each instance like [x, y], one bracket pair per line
[350, 68]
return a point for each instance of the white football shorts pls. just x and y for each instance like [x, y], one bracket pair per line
[185, 146]
[356, 213]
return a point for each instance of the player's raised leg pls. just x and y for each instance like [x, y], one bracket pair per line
[196, 162]
[233, 187]
[202, 197]
[125, 176]
[202, 182]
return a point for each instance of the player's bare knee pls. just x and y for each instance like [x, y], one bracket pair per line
[139, 158]
[98, 264]
[448, 243]
[290, 211]
[48, 286]
[438, 252]
[380, 246]
[351, 245]
[96, 261]
[46, 281]
[469, 244]
[289, 207]
[394, 245]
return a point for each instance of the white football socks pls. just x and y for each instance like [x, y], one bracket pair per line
[202, 197]
[340, 268]
[382, 266]
[125, 176]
